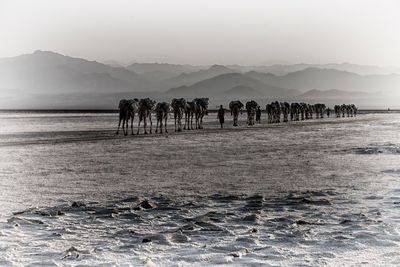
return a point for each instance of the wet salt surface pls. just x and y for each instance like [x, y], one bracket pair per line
[308, 193]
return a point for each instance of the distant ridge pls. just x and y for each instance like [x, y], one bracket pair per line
[331, 94]
[45, 79]
[161, 71]
[219, 85]
[194, 77]
[49, 72]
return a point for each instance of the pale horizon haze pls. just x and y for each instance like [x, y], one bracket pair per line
[206, 32]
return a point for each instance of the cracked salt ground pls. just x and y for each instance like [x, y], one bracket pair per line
[297, 194]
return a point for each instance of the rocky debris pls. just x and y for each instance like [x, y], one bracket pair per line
[73, 253]
[145, 204]
[251, 218]
[20, 221]
[78, 204]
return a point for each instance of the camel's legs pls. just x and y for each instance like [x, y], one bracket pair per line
[119, 124]
[140, 120]
[200, 118]
[179, 122]
[144, 124]
[124, 127]
[132, 118]
[175, 120]
[157, 126]
[165, 124]
[184, 127]
[151, 123]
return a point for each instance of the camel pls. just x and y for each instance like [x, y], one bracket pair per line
[343, 109]
[354, 110]
[319, 110]
[201, 109]
[303, 111]
[190, 109]
[295, 111]
[310, 111]
[146, 107]
[251, 107]
[127, 110]
[285, 108]
[337, 109]
[276, 112]
[235, 107]
[162, 110]
[178, 106]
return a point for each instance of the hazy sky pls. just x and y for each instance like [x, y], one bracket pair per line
[206, 31]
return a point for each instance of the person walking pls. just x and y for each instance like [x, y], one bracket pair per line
[258, 115]
[221, 116]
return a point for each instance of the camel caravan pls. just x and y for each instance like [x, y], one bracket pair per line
[198, 108]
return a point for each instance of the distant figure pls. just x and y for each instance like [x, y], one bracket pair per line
[328, 112]
[258, 115]
[221, 116]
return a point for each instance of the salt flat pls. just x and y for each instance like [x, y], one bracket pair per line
[305, 193]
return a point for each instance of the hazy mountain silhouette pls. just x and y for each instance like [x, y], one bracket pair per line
[194, 77]
[46, 78]
[326, 79]
[280, 70]
[49, 72]
[220, 85]
[161, 71]
[331, 94]
[243, 92]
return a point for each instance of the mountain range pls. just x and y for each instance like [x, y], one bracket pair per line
[46, 79]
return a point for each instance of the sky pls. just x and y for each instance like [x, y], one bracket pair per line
[204, 32]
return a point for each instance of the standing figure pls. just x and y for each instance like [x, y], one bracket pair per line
[328, 112]
[258, 115]
[221, 116]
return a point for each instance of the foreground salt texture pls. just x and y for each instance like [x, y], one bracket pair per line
[307, 193]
